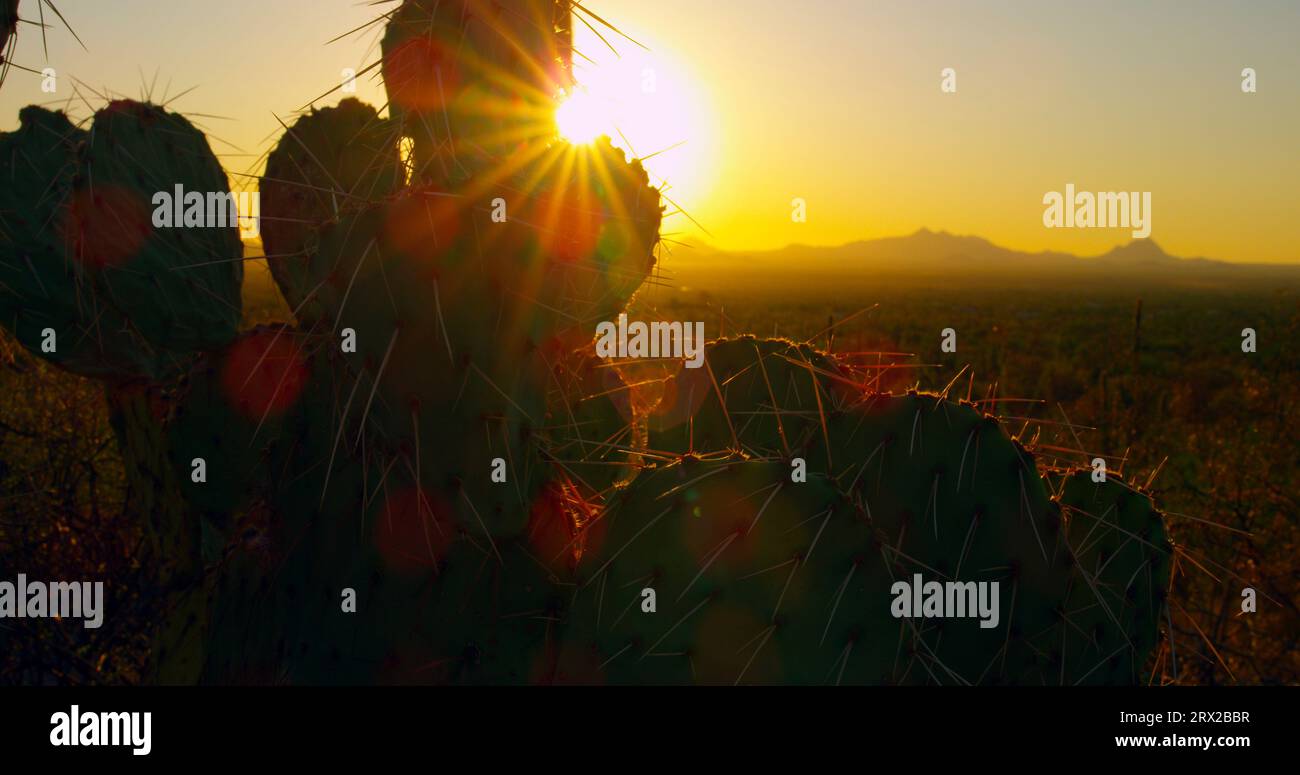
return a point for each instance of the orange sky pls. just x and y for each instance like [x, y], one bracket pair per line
[837, 103]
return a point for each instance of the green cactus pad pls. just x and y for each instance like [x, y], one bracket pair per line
[40, 289]
[180, 286]
[84, 258]
[1123, 558]
[740, 560]
[768, 398]
[330, 161]
[957, 499]
[299, 544]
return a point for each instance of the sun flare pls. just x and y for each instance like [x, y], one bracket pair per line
[581, 118]
[647, 104]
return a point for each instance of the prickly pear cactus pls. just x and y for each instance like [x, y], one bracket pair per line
[100, 277]
[86, 258]
[948, 495]
[470, 81]
[430, 478]
[923, 487]
[720, 572]
[784, 503]
[450, 310]
[461, 305]
[329, 162]
[1122, 561]
[47, 301]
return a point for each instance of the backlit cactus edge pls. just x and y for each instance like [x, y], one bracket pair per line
[377, 470]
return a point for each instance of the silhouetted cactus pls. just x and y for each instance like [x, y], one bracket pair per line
[946, 493]
[330, 162]
[466, 295]
[434, 441]
[739, 561]
[84, 259]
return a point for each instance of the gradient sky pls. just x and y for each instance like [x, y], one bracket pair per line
[834, 101]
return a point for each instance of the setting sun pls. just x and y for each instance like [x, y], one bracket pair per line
[649, 104]
[581, 119]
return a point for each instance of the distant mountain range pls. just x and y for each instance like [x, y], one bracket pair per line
[934, 254]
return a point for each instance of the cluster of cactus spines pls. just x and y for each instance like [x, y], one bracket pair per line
[594, 429]
[741, 522]
[1123, 559]
[766, 398]
[9, 19]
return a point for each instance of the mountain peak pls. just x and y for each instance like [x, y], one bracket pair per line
[1138, 250]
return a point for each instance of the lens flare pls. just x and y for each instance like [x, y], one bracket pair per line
[581, 118]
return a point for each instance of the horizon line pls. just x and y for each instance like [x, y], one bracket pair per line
[703, 245]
